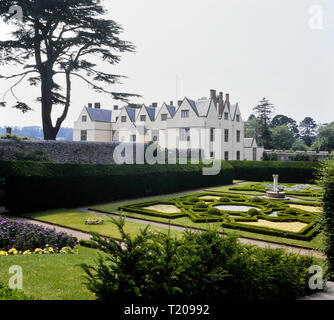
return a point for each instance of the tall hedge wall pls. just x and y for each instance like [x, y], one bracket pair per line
[32, 186]
[298, 171]
[326, 180]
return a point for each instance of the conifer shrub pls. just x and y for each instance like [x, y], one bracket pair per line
[201, 267]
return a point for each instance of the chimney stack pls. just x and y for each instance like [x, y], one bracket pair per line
[97, 105]
[227, 100]
[155, 105]
[171, 103]
[220, 103]
[90, 105]
[115, 107]
[179, 103]
[213, 96]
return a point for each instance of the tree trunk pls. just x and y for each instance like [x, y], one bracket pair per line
[50, 133]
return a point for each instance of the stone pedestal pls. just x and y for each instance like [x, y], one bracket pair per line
[275, 193]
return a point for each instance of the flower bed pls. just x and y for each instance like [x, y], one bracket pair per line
[47, 250]
[259, 215]
[25, 237]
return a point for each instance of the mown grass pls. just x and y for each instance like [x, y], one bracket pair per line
[52, 277]
[77, 219]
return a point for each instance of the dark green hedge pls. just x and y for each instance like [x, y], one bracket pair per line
[326, 181]
[32, 186]
[299, 172]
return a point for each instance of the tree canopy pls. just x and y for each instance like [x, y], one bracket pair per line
[325, 139]
[60, 40]
[263, 112]
[308, 129]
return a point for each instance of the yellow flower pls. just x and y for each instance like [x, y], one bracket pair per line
[27, 252]
[38, 251]
[13, 251]
[3, 253]
[50, 250]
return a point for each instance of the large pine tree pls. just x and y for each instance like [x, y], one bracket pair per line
[263, 112]
[58, 38]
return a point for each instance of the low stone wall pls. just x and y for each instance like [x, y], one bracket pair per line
[61, 151]
[77, 152]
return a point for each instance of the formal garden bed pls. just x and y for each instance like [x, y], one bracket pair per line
[291, 189]
[287, 219]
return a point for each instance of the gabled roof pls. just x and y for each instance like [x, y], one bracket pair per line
[249, 142]
[115, 114]
[171, 110]
[131, 113]
[151, 112]
[200, 107]
[233, 110]
[203, 107]
[193, 105]
[99, 115]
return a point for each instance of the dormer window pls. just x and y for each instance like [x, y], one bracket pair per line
[143, 118]
[164, 117]
[238, 118]
[84, 118]
[226, 115]
[123, 119]
[185, 114]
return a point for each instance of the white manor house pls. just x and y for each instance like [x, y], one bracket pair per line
[213, 125]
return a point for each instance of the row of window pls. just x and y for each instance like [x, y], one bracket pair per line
[227, 155]
[184, 135]
[164, 117]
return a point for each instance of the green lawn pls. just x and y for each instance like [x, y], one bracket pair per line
[77, 219]
[52, 277]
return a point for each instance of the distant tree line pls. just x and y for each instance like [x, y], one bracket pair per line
[36, 132]
[281, 132]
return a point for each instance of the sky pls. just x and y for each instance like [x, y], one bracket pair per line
[279, 49]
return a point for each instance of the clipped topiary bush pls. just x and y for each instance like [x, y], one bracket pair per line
[291, 211]
[201, 205]
[193, 199]
[214, 212]
[224, 199]
[257, 200]
[253, 212]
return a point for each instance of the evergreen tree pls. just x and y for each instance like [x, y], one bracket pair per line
[282, 120]
[263, 113]
[61, 39]
[308, 129]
